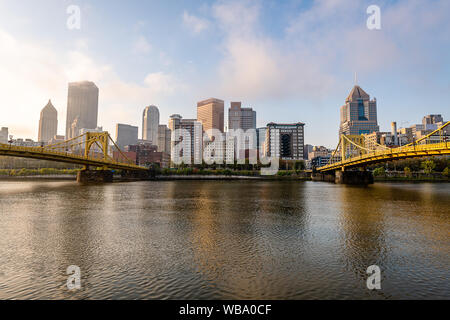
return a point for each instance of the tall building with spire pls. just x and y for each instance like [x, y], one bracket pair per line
[82, 107]
[48, 123]
[359, 114]
[150, 124]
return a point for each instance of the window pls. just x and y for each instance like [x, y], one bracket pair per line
[361, 111]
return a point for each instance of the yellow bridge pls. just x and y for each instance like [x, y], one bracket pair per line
[91, 149]
[351, 151]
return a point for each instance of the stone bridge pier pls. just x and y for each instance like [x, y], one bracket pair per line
[94, 176]
[345, 177]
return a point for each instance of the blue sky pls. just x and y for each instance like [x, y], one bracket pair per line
[289, 60]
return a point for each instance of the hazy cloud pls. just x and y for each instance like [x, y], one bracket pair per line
[195, 24]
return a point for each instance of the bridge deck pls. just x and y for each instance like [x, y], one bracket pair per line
[416, 151]
[42, 154]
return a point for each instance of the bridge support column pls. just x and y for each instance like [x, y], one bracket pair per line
[99, 176]
[317, 176]
[138, 175]
[354, 177]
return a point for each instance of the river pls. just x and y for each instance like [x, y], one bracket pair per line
[224, 240]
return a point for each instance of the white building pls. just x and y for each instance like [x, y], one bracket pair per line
[4, 135]
[150, 124]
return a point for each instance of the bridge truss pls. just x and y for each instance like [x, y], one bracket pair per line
[351, 151]
[92, 149]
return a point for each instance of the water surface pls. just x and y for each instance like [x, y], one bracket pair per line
[224, 240]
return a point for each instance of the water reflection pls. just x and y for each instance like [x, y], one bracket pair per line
[223, 240]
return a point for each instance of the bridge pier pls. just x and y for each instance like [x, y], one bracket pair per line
[328, 177]
[137, 175]
[102, 176]
[353, 177]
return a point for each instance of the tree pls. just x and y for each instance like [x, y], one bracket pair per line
[299, 165]
[428, 166]
[379, 171]
[446, 172]
[407, 171]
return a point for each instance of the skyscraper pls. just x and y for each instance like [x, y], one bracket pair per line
[211, 114]
[164, 137]
[150, 124]
[82, 107]
[241, 118]
[192, 132]
[359, 114]
[126, 135]
[285, 141]
[48, 123]
[4, 135]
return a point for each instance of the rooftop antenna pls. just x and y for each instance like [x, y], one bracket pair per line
[356, 78]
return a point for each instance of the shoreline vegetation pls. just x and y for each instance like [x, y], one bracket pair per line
[380, 175]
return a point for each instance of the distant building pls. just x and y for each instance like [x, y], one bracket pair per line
[164, 138]
[56, 139]
[192, 138]
[306, 151]
[285, 141]
[25, 143]
[82, 107]
[374, 140]
[48, 123]
[126, 135]
[241, 118]
[4, 135]
[82, 131]
[261, 134]
[359, 114]
[147, 154]
[150, 124]
[318, 151]
[432, 119]
[210, 113]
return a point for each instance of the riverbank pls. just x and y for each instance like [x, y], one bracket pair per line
[398, 176]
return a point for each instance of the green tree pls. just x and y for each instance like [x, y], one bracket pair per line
[428, 166]
[407, 171]
[379, 171]
[446, 172]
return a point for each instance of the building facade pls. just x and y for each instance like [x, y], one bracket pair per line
[126, 135]
[4, 135]
[210, 113]
[359, 114]
[48, 123]
[241, 118]
[150, 124]
[285, 141]
[147, 154]
[82, 107]
[192, 138]
[164, 138]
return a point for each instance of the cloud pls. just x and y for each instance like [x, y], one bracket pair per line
[141, 46]
[195, 24]
[256, 66]
[30, 74]
[321, 44]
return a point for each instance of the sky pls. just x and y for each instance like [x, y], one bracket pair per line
[290, 60]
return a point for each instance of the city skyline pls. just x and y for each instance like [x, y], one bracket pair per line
[147, 67]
